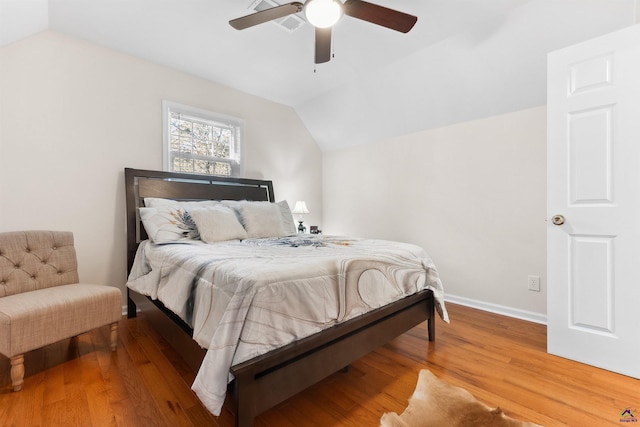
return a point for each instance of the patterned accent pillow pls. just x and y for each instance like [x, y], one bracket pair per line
[169, 224]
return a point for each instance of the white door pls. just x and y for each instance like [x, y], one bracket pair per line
[593, 149]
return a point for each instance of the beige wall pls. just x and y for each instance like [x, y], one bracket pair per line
[473, 195]
[73, 115]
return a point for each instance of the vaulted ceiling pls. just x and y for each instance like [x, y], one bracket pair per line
[464, 59]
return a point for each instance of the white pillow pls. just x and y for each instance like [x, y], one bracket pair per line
[217, 224]
[264, 219]
[169, 224]
[260, 219]
[288, 224]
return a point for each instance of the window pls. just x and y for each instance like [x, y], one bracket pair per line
[201, 142]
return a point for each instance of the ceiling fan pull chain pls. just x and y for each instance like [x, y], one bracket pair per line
[333, 47]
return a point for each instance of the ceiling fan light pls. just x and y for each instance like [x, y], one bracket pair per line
[323, 13]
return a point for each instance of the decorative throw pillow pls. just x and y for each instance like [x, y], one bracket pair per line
[169, 224]
[217, 224]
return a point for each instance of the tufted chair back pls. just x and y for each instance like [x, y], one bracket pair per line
[31, 260]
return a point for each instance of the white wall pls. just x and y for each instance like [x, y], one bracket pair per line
[473, 195]
[20, 18]
[73, 115]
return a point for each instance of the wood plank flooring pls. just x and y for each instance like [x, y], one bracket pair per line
[502, 361]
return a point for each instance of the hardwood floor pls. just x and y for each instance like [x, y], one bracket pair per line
[501, 360]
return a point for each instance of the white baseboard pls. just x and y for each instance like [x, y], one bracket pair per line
[498, 309]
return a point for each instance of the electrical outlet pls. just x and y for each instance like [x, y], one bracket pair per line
[533, 283]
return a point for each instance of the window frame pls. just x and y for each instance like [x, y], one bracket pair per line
[236, 156]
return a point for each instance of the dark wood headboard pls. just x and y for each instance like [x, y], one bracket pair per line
[179, 186]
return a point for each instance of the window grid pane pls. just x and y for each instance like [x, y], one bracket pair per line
[200, 146]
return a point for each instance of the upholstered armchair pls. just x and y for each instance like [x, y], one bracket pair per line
[41, 301]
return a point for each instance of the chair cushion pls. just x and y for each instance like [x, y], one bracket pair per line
[30, 320]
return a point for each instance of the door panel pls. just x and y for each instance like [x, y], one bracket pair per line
[593, 180]
[590, 151]
[591, 283]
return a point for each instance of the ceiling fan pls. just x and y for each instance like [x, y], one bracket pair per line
[323, 14]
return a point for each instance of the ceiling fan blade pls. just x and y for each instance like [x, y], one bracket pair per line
[323, 45]
[266, 15]
[380, 15]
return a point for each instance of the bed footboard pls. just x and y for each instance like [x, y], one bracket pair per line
[265, 381]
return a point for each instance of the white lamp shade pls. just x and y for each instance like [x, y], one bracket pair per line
[323, 13]
[300, 208]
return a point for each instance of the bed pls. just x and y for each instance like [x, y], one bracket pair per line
[263, 368]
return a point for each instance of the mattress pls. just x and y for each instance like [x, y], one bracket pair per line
[245, 298]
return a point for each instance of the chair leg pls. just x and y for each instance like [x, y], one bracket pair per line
[17, 372]
[114, 336]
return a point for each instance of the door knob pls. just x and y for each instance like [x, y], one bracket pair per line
[557, 220]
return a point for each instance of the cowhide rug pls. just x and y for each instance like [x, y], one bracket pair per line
[437, 404]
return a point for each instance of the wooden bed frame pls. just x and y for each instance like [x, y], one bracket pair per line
[266, 380]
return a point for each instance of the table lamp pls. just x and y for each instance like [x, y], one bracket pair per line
[300, 208]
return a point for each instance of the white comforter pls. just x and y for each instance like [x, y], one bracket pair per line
[245, 298]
